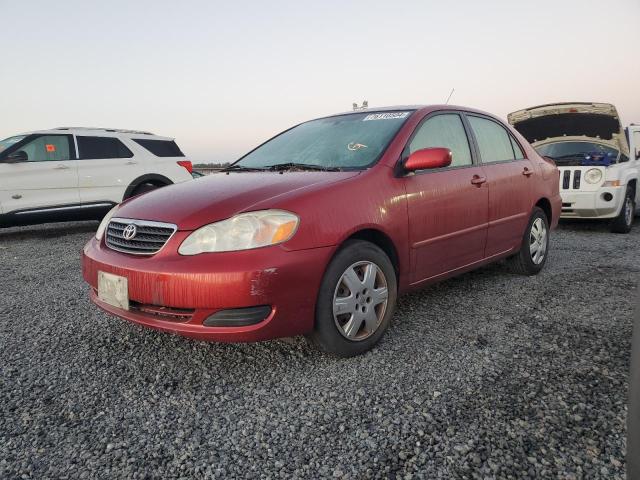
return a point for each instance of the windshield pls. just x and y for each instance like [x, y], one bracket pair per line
[7, 142]
[352, 141]
[579, 153]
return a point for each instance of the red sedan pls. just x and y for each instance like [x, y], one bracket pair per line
[318, 230]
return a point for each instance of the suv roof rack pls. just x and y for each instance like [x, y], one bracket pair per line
[115, 130]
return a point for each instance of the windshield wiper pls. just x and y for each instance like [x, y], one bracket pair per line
[241, 168]
[278, 167]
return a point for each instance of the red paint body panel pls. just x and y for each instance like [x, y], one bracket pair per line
[214, 281]
[448, 228]
[440, 223]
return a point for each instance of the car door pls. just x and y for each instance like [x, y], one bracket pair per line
[510, 178]
[106, 167]
[447, 207]
[48, 179]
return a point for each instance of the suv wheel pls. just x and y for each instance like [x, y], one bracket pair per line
[356, 300]
[143, 188]
[535, 246]
[624, 221]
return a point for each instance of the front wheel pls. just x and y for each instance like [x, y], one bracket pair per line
[535, 245]
[624, 221]
[356, 300]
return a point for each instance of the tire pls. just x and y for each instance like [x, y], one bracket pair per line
[363, 321]
[535, 246]
[144, 188]
[624, 221]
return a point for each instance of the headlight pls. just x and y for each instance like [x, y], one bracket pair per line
[593, 175]
[105, 221]
[242, 232]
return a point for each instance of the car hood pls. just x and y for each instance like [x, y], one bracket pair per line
[570, 121]
[192, 204]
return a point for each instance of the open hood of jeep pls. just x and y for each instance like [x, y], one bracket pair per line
[597, 121]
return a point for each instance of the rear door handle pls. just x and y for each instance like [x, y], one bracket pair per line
[61, 167]
[478, 180]
[131, 163]
[526, 172]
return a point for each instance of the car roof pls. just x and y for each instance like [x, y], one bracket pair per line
[102, 132]
[422, 108]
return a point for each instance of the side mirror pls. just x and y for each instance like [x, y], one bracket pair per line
[17, 157]
[428, 158]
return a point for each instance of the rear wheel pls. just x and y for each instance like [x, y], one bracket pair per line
[356, 300]
[144, 188]
[535, 245]
[624, 221]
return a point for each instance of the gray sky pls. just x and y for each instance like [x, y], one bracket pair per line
[222, 77]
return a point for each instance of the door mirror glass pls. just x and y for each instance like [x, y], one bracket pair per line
[17, 157]
[428, 158]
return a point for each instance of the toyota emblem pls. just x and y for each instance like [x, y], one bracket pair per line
[129, 232]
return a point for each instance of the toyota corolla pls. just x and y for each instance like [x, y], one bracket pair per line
[317, 231]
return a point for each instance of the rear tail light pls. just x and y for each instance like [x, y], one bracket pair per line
[186, 164]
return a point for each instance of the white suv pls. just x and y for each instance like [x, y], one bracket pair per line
[80, 173]
[599, 173]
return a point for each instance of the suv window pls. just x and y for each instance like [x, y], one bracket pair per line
[95, 148]
[495, 144]
[446, 131]
[48, 148]
[160, 148]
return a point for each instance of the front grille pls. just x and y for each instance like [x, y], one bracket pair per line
[576, 179]
[570, 179]
[148, 237]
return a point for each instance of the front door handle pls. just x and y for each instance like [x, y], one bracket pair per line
[478, 180]
[61, 167]
[131, 163]
[17, 196]
[526, 172]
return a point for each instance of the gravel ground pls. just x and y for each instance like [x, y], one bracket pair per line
[489, 375]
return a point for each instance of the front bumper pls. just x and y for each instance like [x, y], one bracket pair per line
[595, 204]
[187, 290]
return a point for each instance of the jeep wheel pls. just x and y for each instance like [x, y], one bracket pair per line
[624, 221]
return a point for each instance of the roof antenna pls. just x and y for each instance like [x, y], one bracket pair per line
[449, 97]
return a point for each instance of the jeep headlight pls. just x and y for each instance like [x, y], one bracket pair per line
[242, 232]
[593, 175]
[105, 221]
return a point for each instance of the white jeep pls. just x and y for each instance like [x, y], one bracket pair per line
[81, 173]
[598, 170]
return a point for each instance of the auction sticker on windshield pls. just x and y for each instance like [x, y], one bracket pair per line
[113, 290]
[385, 116]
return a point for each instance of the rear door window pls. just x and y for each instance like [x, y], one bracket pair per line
[94, 148]
[160, 148]
[494, 143]
[445, 131]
